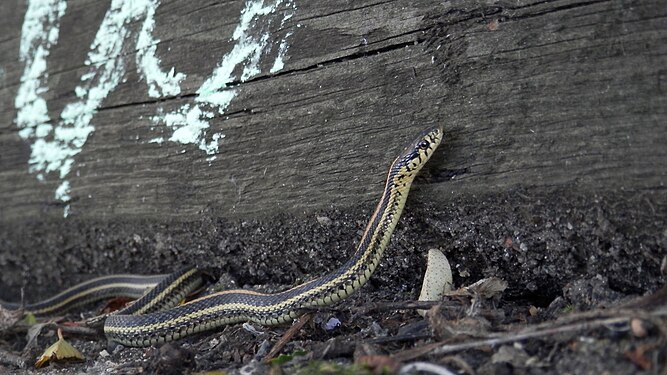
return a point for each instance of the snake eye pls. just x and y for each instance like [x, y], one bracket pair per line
[423, 144]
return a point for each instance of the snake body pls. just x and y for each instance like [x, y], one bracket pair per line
[160, 322]
[130, 286]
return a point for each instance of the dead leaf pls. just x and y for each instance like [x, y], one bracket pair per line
[439, 324]
[33, 333]
[115, 305]
[489, 287]
[513, 355]
[61, 350]
[638, 356]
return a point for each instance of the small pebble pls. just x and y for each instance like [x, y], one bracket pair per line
[638, 328]
[331, 324]
[323, 220]
[533, 311]
[250, 328]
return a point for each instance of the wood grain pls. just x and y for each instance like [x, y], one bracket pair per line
[532, 94]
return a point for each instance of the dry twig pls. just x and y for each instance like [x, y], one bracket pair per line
[287, 336]
[542, 330]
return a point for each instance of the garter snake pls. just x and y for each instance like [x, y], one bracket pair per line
[151, 292]
[130, 286]
[147, 322]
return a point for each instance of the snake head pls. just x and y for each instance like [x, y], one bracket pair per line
[413, 158]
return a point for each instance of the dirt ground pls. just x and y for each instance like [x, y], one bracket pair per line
[571, 261]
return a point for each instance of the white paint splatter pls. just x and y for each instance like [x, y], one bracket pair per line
[159, 83]
[279, 63]
[158, 140]
[54, 146]
[251, 38]
[62, 192]
[40, 30]
[106, 69]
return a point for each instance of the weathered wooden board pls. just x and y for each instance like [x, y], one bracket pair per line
[261, 154]
[531, 94]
